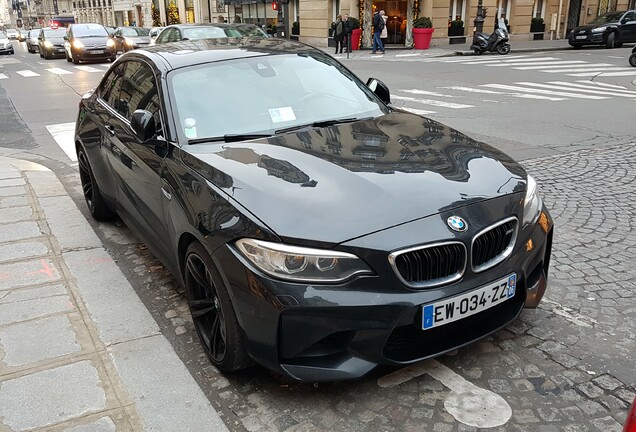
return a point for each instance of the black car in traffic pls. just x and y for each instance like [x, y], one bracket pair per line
[316, 229]
[51, 42]
[88, 42]
[611, 29]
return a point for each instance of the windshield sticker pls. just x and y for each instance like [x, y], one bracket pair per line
[284, 114]
[189, 128]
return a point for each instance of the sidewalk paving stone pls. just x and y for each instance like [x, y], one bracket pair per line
[21, 250]
[15, 214]
[31, 272]
[19, 230]
[50, 396]
[34, 308]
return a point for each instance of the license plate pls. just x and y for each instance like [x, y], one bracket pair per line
[97, 52]
[582, 37]
[465, 305]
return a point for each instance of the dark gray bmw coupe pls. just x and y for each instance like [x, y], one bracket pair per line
[316, 229]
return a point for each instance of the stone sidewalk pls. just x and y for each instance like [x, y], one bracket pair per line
[78, 349]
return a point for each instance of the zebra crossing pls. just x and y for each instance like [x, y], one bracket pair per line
[30, 73]
[554, 65]
[455, 97]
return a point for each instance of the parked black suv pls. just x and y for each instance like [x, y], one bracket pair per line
[610, 29]
[89, 42]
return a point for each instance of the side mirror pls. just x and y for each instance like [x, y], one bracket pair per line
[380, 89]
[625, 20]
[143, 124]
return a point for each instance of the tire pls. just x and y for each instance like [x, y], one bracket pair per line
[611, 40]
[96, 204]
[618, 44]
[503, 49]
[632, 60]
[212, 312]
[477, 51]
[75, 61]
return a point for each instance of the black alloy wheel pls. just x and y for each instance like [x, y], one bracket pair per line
[96, 204]
[632, 60]
[503, 49]
[212, 312]
[611, 40]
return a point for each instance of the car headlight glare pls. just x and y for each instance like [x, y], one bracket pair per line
[78, 44]
[301, 264]
[532, 202]
[110, 43]
[599, 29]
[128, 42]
[48, 44]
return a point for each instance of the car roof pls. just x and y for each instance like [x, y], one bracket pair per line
[175, 55]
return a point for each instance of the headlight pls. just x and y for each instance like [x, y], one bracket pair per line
[599, 29]
[531, 203]
[128, 42]
[48, 44]
[301, 264]
[78, 44]
[110, 43]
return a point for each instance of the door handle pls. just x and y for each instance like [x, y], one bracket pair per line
[110, 129]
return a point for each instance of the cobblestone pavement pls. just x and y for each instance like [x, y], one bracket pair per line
[566, 366]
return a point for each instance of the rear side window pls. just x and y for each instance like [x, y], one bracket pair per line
[110, 87]
[630, 16]
[138, 90]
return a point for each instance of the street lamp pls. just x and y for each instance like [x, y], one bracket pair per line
[480, 18]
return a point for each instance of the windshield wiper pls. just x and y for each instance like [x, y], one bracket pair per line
[228, 138]
[323, 123]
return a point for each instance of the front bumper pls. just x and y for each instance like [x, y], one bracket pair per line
[316, 332]
[6, 49]
[587, 38]
[94, 53]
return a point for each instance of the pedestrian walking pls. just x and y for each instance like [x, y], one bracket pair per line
[378, 25]
[385, 32]
[348, 26]
[339, 33]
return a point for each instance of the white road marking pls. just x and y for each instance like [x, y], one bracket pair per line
[63, 134]
[417, 111]
[584, 90]
[519, 95]
[609, 74]
[88, 68]
[608, 90]
[476, 59]
[433, 102]
[616, 57]
[593, 70]
[425, 92]
[564, 63]
[469, 404]
[567, 313]
[604, 84]
[3, 76]
[529, 64]
[540, 91]
[407, 55]
[534, 60]
[59, 71]
[27, 73]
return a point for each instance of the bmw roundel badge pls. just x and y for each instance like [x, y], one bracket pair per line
[456, 223]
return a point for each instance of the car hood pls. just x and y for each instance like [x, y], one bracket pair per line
[56, 40]
[92, 39]
[589, 27]
[139, 39]
[340, 182]
[4, 40]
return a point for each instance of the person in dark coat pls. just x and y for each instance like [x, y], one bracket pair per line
[348, 26]
[339, 33]
[378, 26]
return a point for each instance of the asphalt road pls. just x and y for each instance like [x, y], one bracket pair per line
[565, 366]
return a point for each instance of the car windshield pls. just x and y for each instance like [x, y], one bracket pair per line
[34, 33]
[261, 95]
[607, 18]
[88, 31]
[135, 31]
[55, 33]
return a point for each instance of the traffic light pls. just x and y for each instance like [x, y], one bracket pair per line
[275, 5]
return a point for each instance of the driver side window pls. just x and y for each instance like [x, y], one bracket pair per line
[630, 16]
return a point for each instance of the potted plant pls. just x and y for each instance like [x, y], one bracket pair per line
[295, 31]
[537, 27]
[355, 33]
[456, 31]
[422, 33]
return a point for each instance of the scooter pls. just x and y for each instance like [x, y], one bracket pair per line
[632, 58]
[495, 42]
